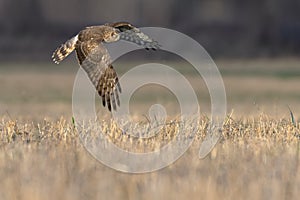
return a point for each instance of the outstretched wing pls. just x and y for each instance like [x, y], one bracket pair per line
[132, 34]
[95, 60]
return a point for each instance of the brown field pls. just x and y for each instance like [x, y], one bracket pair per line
[41, 156]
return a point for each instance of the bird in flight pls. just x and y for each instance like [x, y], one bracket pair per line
[94, 58]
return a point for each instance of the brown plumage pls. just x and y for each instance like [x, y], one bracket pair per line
[94, 58]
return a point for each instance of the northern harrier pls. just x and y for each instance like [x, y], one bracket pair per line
[94, 58]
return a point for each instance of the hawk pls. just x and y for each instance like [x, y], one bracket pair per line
[94, 58]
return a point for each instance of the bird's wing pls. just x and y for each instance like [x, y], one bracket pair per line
[95, 60]
[132, 34]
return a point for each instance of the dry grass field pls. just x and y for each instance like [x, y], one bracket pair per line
[41, 156]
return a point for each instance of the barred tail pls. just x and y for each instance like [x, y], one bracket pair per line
[64, 50]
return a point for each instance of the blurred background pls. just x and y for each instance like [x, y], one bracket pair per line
[255, 43]
[30, 29]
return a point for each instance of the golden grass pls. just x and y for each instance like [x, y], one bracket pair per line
[257, 158]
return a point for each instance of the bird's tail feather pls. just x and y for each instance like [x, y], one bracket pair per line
[64, 50]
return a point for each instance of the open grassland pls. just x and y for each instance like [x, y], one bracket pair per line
[257, 158]
[42, 157]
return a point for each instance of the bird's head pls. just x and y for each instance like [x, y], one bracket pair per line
[111, 35]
